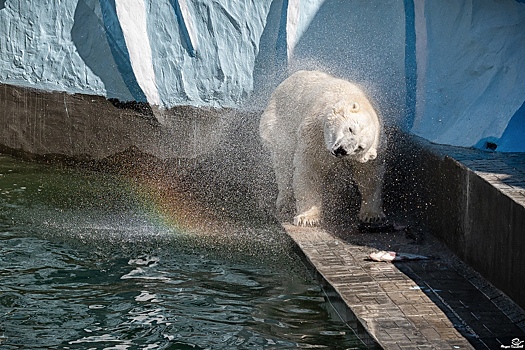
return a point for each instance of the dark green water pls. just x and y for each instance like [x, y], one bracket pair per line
[86, 264]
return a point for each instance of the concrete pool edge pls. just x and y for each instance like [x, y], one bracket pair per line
[474, 202]
[381, 297]
[337, 308]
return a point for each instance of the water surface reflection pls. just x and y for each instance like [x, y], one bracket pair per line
[85, 265]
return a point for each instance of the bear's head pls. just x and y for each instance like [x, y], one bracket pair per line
[351, 131]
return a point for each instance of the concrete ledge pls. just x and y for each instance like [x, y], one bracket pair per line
[91, 127]
[474, 202]
[389, 304]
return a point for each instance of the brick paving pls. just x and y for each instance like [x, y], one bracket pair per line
[391, 306]
[503, 171]
[424, 304]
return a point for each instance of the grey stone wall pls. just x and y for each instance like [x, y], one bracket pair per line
[473, 201]
[85, 126]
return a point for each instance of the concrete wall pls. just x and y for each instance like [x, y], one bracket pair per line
[473, 201]
[450, 71]
[92, 127]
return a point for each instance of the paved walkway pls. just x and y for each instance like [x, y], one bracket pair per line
[393, 308]
[506, 172]
[426, 304]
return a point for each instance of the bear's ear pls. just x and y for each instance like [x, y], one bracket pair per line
[341, 107]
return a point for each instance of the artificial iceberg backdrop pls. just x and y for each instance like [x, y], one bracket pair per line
[450, 71]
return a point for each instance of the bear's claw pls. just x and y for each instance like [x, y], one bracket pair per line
[300, 220]
[311, 217]
[369, 218]
[374, 220]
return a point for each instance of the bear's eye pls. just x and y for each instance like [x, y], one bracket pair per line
[350, 129]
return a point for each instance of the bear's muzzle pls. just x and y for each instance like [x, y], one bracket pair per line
[340, 151]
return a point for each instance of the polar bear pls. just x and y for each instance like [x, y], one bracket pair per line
[315, 123]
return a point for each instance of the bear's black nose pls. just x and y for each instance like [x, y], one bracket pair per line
[339, 152]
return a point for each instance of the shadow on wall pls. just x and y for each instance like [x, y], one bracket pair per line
[98, 41]
[512, 138]
[184, 32]
[269, 70]
[354, 42]
[2, 4]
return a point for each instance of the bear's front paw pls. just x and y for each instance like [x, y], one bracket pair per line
[372, 218]
[311, 217]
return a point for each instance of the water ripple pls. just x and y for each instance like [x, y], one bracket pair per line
[93, 272]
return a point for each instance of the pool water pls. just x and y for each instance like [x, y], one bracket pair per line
[87, 262]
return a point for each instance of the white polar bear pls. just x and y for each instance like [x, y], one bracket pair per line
[315, 123]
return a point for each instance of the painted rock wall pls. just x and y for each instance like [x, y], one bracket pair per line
[451, 72]
[164, 52]
[471, 73]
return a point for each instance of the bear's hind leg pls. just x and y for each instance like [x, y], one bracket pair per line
[282, 165]
[369, 178]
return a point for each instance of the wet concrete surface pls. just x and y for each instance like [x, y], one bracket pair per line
[438, 303]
